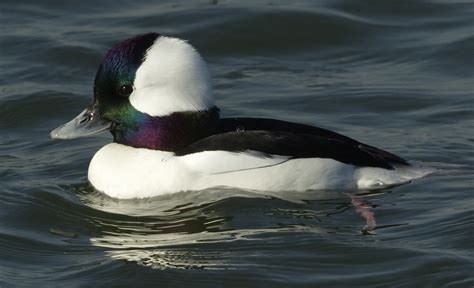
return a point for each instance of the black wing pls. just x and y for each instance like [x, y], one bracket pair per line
[275, 137]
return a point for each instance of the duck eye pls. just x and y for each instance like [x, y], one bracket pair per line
[125, 90]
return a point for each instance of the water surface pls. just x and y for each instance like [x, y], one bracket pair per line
[394, 74]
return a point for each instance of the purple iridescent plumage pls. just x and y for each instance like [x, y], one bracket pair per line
[168, 133]
[123, 59]
[132, 127]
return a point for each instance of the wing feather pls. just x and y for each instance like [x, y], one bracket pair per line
[271, 137]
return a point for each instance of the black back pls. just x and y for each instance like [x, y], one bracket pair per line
[276, 137]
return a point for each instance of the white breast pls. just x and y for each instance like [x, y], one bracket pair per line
[125, 172]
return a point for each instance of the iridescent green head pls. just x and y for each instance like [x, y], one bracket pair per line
[152, 92]
[114, 81]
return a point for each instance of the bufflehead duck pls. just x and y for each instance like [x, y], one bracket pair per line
[154, 95]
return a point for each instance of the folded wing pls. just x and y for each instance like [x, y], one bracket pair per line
[267, 138]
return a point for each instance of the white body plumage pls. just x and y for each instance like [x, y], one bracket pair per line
[125, 172]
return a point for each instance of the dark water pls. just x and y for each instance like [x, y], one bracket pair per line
[395, 74]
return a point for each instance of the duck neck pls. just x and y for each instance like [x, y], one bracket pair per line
[166, 133]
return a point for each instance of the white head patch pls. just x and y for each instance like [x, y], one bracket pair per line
[172, 78]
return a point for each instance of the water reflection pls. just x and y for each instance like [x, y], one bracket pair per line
[193, 229]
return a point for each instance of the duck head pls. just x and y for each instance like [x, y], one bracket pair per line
[150, 91]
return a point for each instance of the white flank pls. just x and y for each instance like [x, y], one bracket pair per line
[172, 78]
[125, 172]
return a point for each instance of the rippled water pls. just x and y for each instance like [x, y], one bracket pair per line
[395, 74]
